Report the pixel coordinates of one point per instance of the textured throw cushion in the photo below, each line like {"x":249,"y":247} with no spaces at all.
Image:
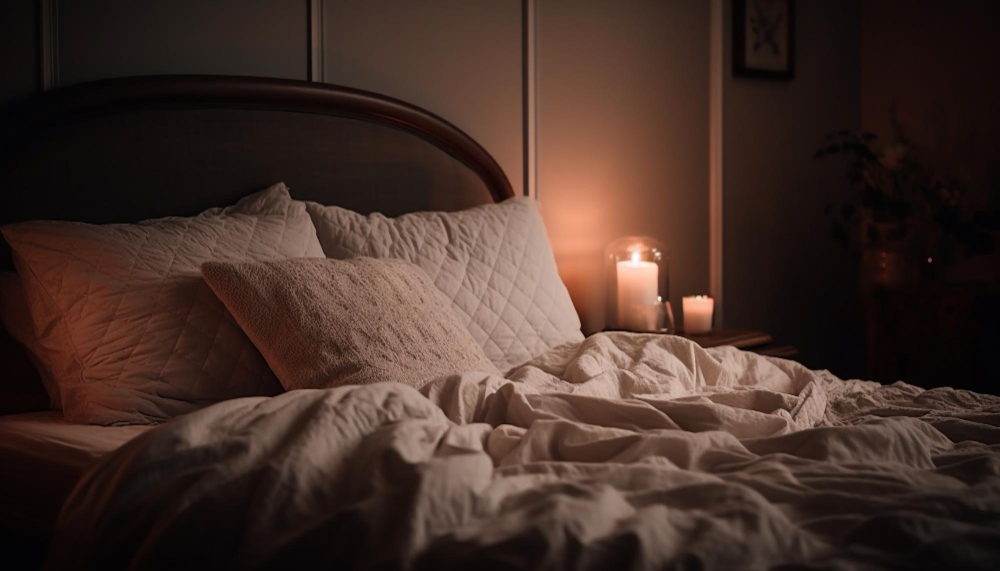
{"x":128,"y":327}
{"x":493,"y":262}
{"x":17,"y":323}
{"x":325,"y":323}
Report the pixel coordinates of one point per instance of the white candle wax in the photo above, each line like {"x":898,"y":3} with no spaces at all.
{"x":698,"y":313}
{"x":638,"y":285}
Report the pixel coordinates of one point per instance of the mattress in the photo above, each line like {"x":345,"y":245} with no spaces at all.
{"x":42,"y":455}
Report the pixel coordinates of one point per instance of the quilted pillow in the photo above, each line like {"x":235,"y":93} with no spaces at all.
{"x":493,"y":262}
{"x":17,"y":323}
{"x":326,"y":323}
{"x":130,"y":331}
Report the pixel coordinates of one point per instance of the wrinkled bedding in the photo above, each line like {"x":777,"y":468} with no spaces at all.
{"x":620,"y":452}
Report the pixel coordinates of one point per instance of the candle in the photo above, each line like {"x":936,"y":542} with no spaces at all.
{"x":698,"y":313}
{"x":638,"y":288}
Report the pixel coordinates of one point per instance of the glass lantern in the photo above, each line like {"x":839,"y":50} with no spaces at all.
{"x":638,"y":286}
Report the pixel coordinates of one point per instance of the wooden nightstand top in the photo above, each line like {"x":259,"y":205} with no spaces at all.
{"x":756,"y":341}
{"x":746,"y":339}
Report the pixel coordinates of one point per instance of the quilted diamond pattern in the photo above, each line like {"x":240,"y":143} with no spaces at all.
{"x":493,"y":262}
{"x":129,"y":328}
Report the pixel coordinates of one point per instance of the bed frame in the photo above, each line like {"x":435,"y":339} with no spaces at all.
{"x":122,"y":150}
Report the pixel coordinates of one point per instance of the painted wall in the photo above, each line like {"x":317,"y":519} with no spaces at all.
{"x":19,"y":57}
{"x":114,"y":38}
{"x":946,"y":92}
{"x":623,"y":137}
{"x":783,"y":272}
{"x":456,"y":58}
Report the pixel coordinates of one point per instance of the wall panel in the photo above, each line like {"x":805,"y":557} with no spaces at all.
{"x":460,"y":59}
{"x":19,"y":56}
{"x":114,"y":38}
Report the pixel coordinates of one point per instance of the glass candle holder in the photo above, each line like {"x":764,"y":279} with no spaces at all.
{"x":638,"y":286}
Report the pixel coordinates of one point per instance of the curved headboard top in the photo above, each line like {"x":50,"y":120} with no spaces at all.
{"x":122,"y":150}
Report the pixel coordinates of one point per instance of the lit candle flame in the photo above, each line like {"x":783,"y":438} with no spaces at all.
{"x":635,"y":257}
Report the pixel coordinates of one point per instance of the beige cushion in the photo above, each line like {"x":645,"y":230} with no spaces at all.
{"x":127,"y":326}
{"x":326,"y":323}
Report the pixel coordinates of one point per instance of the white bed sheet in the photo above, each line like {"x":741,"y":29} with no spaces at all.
{"x":42,"y":455}
{"x":621,"y":452}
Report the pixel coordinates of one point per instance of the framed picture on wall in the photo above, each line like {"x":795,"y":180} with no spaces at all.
{"x":764,"y":38}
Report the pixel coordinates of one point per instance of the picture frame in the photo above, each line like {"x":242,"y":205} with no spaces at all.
{"x":764,"y":39}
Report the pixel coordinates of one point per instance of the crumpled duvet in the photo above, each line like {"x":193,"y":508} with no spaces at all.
{"x":620,"y":452}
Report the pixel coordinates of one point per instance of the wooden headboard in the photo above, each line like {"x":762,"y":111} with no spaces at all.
{"x":122,"y":150}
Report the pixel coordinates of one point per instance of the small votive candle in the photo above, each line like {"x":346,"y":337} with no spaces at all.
{"x":698,"y":314}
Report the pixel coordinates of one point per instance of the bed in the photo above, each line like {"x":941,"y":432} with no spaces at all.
{"x":77,"y":154}
{"x":495,"y":437}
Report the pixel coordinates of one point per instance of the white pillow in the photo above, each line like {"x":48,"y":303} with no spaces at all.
{"x":493,"y":262}
{"x":130,"y":331}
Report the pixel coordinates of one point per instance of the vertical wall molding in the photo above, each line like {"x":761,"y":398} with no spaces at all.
{"x":49,"y":36}
{"x":715,"y":158}
{"x":317,"y":41}
{"x":529,"y":101}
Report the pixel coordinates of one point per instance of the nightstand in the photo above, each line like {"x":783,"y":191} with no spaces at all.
{"x":745,"y":339}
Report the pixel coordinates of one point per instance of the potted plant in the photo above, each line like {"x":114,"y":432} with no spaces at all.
{"x":906,"y":224}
